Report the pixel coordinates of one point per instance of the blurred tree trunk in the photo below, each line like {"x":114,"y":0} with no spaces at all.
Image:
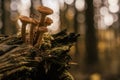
{"x":76,"y":29}
{"x":7,"y":23}
{"x":63,"y":20}
{"x":3,"y":20}
{"x":0,"y":15}
{"x":90,"y":36}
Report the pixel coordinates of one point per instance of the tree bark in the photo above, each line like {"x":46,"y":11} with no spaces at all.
{"x":90,"y":36}
{"x":3,"y":11}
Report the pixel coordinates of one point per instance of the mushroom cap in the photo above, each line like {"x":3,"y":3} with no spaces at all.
{"x":45,"y":10}
{"x":43,"y":29}
{"x":27,"y":19}
{"x":48,"y":21}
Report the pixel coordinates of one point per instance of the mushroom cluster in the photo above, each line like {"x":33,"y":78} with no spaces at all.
{"x":37,"y":28}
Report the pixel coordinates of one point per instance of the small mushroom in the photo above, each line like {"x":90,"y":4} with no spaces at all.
{"x":44,"y":11}
{"x":42,"y":30}
{"x":25,"y":20}
{"x":48,"y":21}
{"x":32,"y":30}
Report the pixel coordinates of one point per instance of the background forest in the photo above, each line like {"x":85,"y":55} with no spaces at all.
{"x":96,"y":54}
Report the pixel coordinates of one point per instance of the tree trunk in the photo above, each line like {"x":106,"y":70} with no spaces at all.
{"x":90,"y":36}
{"x":2,"y":17}
{"x":8,"y":27}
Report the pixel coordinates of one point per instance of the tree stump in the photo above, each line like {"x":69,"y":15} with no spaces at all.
{"x":22,"y":61}
{"x":42,"y":56}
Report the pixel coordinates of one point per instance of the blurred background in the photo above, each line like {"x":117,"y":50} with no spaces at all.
{"x":96,"y":54}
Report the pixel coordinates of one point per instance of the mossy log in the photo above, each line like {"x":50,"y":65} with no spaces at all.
{"x":22,"y":61}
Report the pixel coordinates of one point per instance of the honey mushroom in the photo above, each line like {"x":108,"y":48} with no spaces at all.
{"x":44,"y":12}
{"x":26,"y":20}
{"x":48,"y":21}
{"x":42,"y":30}
{"x":33,"y":25}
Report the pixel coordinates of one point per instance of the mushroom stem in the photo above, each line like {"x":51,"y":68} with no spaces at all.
{"x":39,"y":40}
{"x":31,"y":33}
{"x":38,"y":32}
{"x":23,"y":32}
{"x":36,"y":35}
{"x":42,"y":19}
{"x":42,"y":30}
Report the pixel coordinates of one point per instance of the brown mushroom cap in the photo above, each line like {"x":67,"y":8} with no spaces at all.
{"x":48,"y":21}
{"x":27,"y":19}
{"x":45,"y":10}
{"x":43,"y":29}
